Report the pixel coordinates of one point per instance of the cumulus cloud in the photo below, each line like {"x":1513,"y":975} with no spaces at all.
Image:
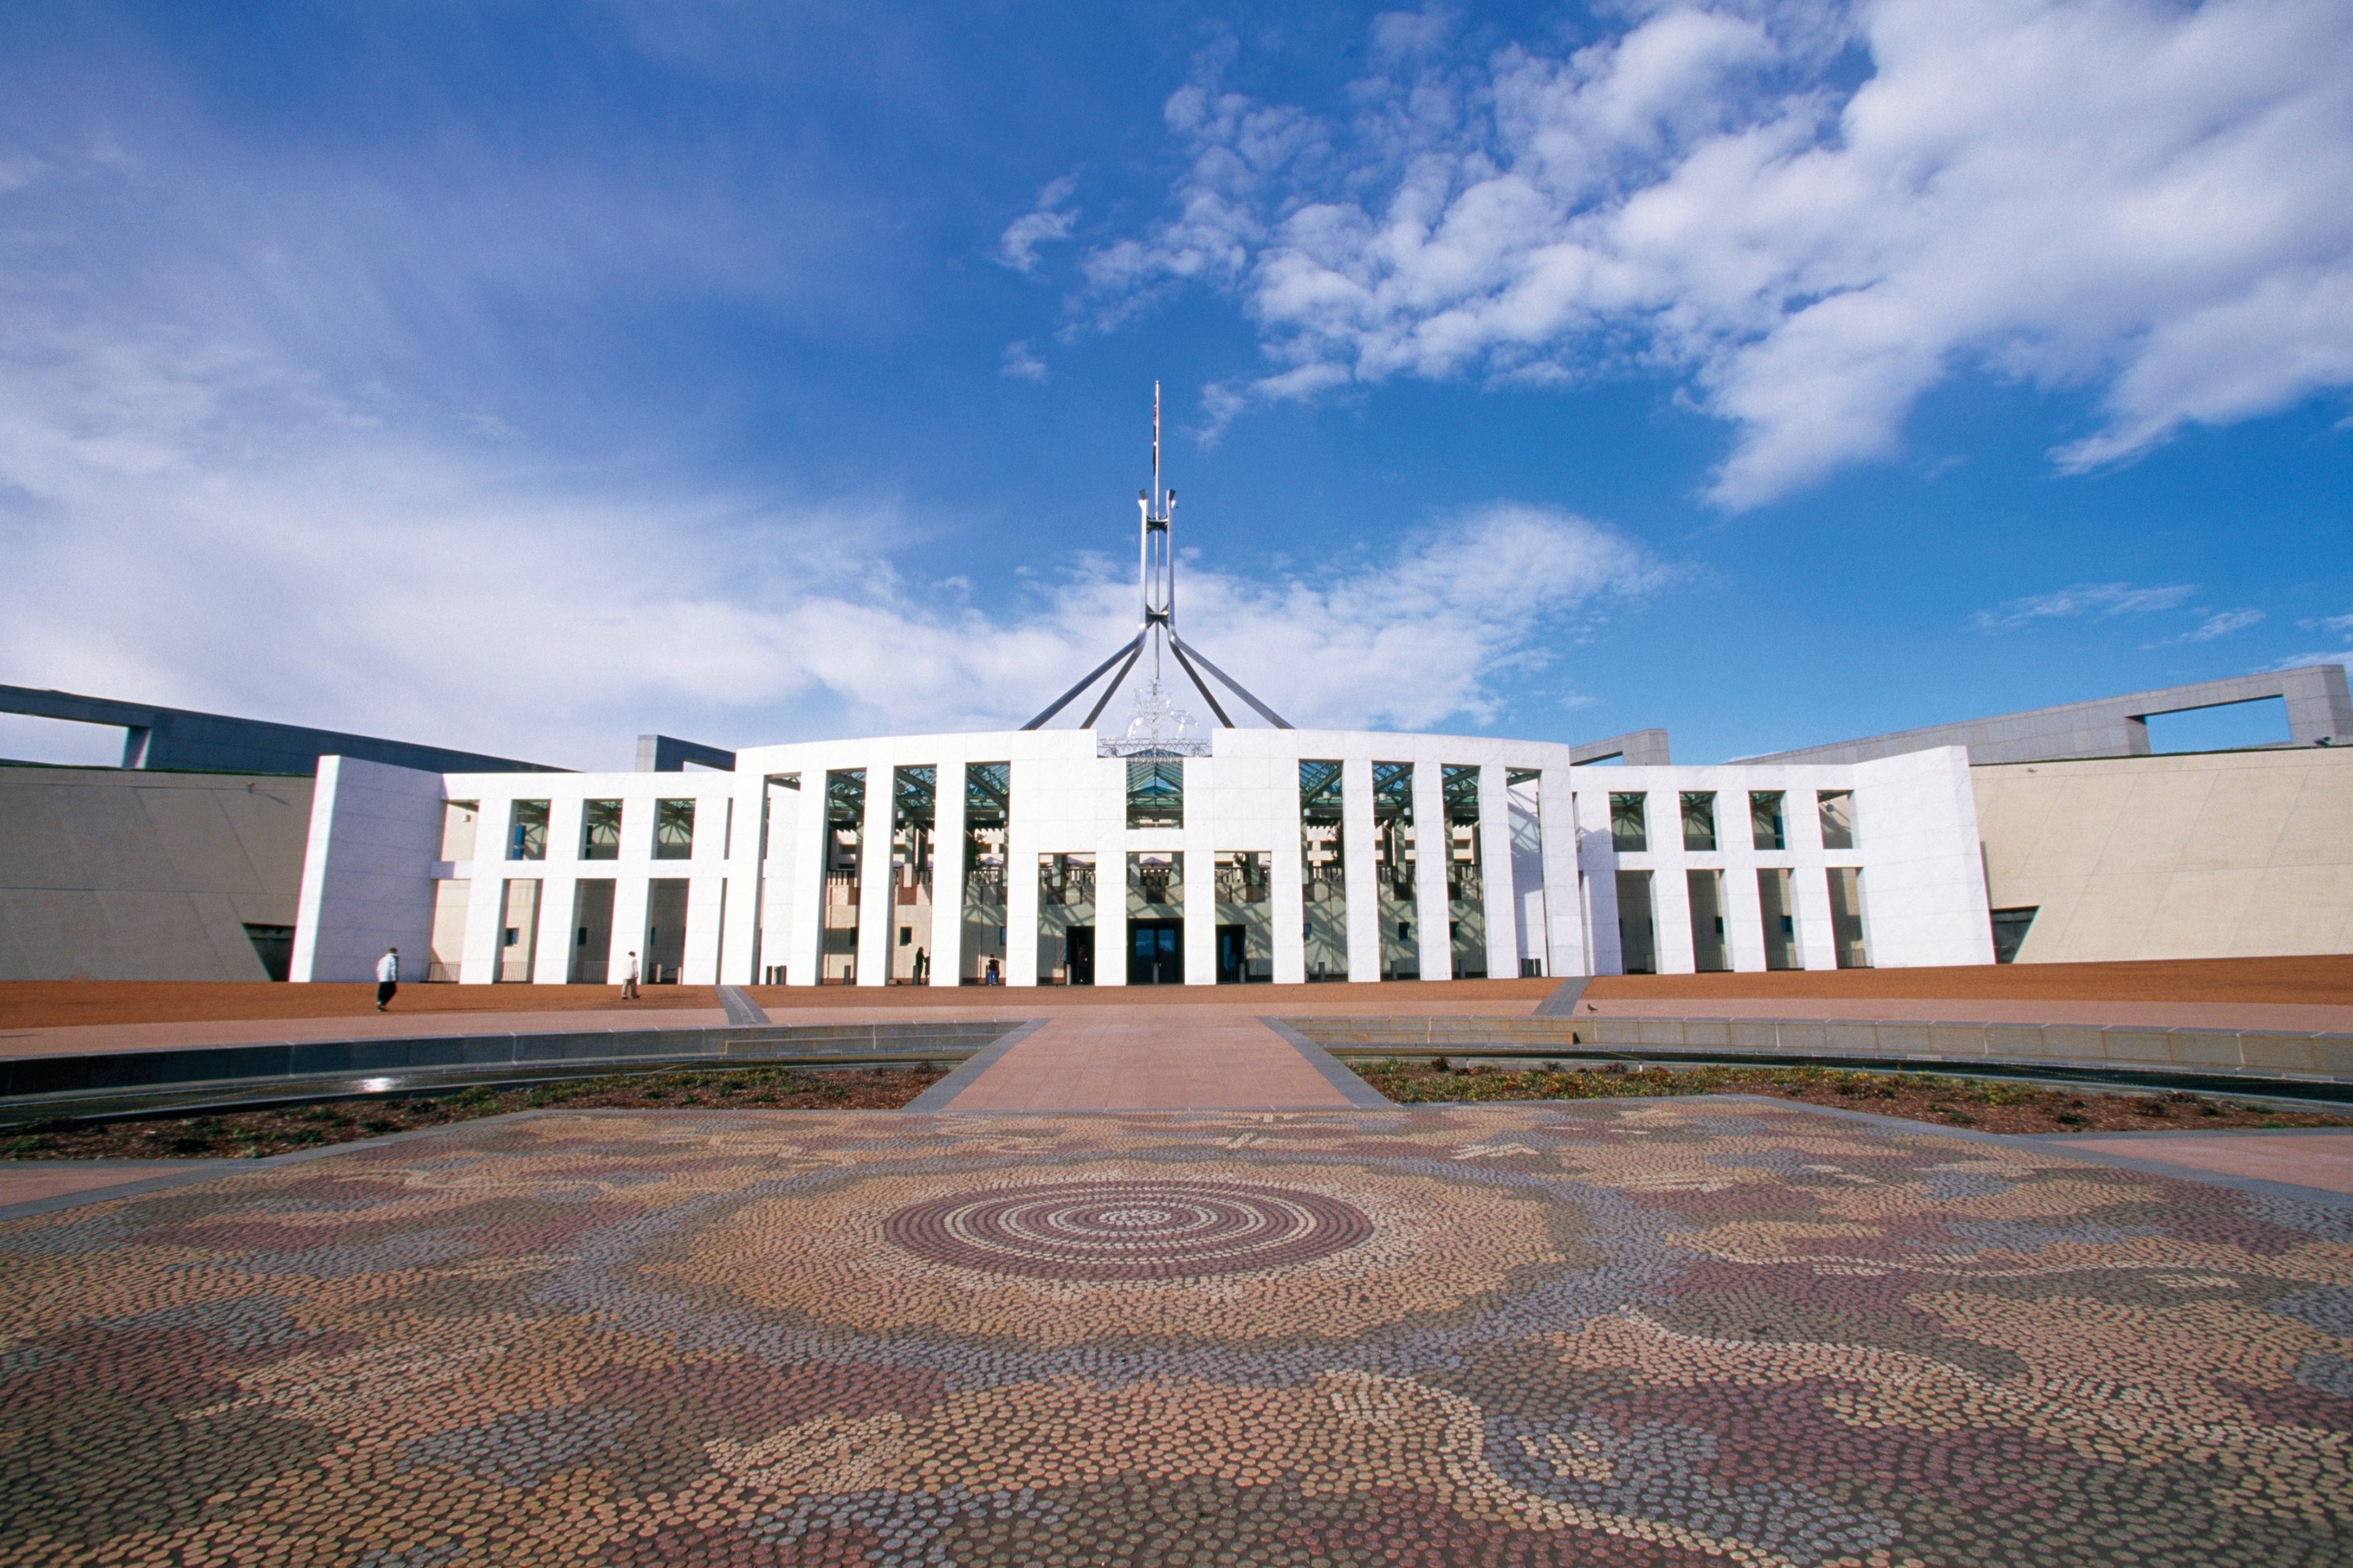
{"x":2084,"y":599}
{"x":2149,"y":200}
{"x":1021,"y":362}
{"x":1045,"y":223}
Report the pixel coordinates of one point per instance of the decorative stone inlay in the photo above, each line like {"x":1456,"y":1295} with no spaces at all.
{"x":1152,"y":1229}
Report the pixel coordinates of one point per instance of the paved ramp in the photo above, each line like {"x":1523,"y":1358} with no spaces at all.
{"x":1151,"y":1059}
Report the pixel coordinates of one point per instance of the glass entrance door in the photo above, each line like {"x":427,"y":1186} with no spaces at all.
{"x":1156,"y":953}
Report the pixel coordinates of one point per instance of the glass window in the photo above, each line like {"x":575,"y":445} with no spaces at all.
{"x":1699,"y":819}
{"x":1629,"y":830}
{"x":673,"y":830}
{"x":527,"y":831}
{"x":1466,"y":887}
{"x":1322,"y":878}
{"x":1838,"y":818}
{"x":988,"y":816}
{"x":1765,"y":829}
{"x":600,"y":830}
{"x":2010,"y":928}
{"x":1394,"y":858}
{"x":1155,"y":792}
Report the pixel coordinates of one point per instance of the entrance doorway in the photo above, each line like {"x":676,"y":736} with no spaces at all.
{"x":1233,"y":954}
{"x":1080,"y":953}
{"x":1156,"y":953}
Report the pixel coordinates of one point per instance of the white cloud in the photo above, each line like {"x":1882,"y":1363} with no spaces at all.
{"x":2150,"y":200}
{"x":2223,"y":624}
{"x":2329,"y":624}
{"x":2305,"y":660}
{"x":2082,"y":599}
{"x":1021,"y":362}
{"x":1045,"y":223}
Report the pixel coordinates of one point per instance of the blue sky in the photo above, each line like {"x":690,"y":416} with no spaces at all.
{"x":524,"y":376}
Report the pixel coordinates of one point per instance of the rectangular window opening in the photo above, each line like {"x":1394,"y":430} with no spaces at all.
{"x":1322,"y":878}
{"x":1155,"y":792}
{"x":1638,"y":944}
{"x":519,"y":932}
{"x":1837,"y":806}
{"x":1699,"y":819}
{"x":600,"y":830}
{"x":1066,"y":920}
{"x":1778,"y":913}
{"x":1710,"y":952}
{"x":1394,"y":869}
{"x":1466,"y":883}
{"x":1629,"y":831}
{"x":666,"y":910}
{"x":844,"y":856}
{"x":914,"y":809}
{"x":592,"y":932}
{"x":1245,"y":888}
{"x":988,"y":820}
{"x":527,"y":830}
{"x":1766,"y":827}
{"x":673,"y":830}
{"x":1846,"y":917}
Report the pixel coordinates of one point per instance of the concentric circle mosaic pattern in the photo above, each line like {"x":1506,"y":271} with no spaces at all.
{"x":1680,"y":1332}
{"x":1156,"y":1229}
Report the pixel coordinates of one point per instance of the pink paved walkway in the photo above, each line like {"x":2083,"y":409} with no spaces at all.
{"x":27,"y":1181}
{"x":1150,"y":1058}
{"x":2315,"y":1159}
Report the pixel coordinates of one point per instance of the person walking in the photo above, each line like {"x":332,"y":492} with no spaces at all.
{"x":388,"y":976}
{"x":629,"y":979}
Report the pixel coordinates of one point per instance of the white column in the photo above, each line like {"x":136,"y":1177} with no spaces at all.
{"x":1495,"y":858}
{"x":1356,"y":856}
{"x":1286,"y":888}
{"x":1556,"y":807}
{"x":1671,"y":902}
{"x":808,"y":892}
{"x":1433,"y":853}
{"x":947,"y":877}
{"x":877,"y":909}
{"x":1744,"y":913}
{"x":551,"y":963}
{"x":707,"y":892}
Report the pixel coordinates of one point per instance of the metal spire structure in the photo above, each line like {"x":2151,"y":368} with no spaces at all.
{"x":1156,"y":630}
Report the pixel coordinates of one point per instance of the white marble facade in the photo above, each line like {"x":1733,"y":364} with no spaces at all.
{"x":755,"y":884}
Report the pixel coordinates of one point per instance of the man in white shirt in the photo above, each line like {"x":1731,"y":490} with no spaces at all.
{"x":388,"y":976}
{"x":629,"y":979}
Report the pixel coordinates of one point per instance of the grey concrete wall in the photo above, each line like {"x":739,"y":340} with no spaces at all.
{"x":2318,"y":709}
{"x":114,"y":875}
{"x":176,"y":738}
{"x":368,"y":871}
{"x":2209,"y":855}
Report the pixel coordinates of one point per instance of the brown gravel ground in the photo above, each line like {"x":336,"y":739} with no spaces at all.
{"x":1990,"y":1105}
{"x":251,"y":1134}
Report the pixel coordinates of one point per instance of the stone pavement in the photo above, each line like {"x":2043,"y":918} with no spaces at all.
{"x":1674,"y":1332}
{"x":1148,"y":1058}
{"x":2320,"y":1158}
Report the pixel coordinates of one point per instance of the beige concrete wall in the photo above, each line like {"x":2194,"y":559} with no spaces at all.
{"x":136,"y":875}
{"x":2210,"y":855}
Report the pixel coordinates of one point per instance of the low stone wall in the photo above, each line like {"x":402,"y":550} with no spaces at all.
{"x":2266,"y":1053}
{"x":453,"y":1056}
